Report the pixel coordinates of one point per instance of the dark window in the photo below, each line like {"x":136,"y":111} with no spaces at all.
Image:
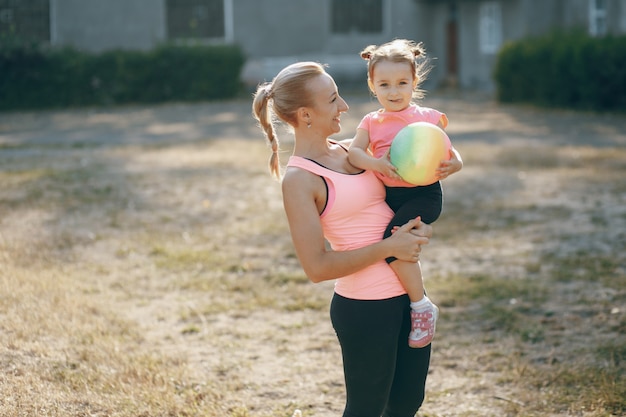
{"x":357,"y":16}
{"x":195,"y":19}
{"x":25,"y":19}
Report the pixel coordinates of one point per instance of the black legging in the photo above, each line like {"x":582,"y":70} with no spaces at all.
{"x":408,"y":203}
{"x":383,"y":375}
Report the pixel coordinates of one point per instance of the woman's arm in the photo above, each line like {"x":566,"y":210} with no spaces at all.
{"x":302,"y":191}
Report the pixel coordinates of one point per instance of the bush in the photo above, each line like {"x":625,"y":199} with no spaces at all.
{"x":36,"y":77}
{"x":564,"y":69}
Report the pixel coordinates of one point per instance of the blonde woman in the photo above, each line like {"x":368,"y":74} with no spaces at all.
{"x":327,"y":199}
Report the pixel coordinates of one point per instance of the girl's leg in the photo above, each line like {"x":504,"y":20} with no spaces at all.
{"x":407,"y":204}
{"x":410,"y":275}
{"x":369,"y":332}
{"x":424,"y":313}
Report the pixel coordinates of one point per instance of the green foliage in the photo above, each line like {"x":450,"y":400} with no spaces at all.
{"x":35,"y":77}
{"x":564,"y":69}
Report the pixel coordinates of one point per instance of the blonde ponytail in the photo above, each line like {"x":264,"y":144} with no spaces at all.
{"x":283,"y":97}
{"x":261,"y":112}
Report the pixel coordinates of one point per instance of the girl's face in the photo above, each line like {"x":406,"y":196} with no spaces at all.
{"x":325,"y":115}
{"x":393,"y":84}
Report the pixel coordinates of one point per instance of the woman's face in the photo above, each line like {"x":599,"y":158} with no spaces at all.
{"x":393,"y":84}
{"x":328,"y":105}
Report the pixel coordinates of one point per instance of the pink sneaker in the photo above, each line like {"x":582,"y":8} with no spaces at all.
{"x":423,"y":326}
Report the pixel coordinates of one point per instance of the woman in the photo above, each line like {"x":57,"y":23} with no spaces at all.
{"x":328,"y":199}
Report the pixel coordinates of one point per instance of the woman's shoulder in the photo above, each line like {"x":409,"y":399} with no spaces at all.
{"x":297,"y":167}
{"x":297,"y":176}
{"x":342,"y":143}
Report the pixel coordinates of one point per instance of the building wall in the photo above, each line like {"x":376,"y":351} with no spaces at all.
{"x":96,"y":25}
{"x":279,"y":27}
{"x":285,"y":27}
{"x":274,"y":33}
{"x":432,"y":22}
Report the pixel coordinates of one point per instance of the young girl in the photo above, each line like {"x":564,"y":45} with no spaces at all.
{"x":394,"y":77}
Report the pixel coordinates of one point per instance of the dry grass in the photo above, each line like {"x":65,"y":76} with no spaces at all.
{"x":146,"y":268}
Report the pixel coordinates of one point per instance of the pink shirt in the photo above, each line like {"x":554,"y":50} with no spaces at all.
{"x":356,"y":215}
{"x":382,"y":127}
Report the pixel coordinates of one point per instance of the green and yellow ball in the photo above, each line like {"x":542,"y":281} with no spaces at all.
{"x":417,"y":151}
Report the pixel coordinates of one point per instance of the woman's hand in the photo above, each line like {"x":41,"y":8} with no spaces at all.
{"x":422,"y":229}
{"x":408,"y":240}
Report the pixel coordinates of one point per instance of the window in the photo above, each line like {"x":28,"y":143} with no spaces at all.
{"x":490,"y":27}
{"x":356,"y":16}
{"x":28,"y":20}
{"x":196,"y":19}
{"x":597,"y":17}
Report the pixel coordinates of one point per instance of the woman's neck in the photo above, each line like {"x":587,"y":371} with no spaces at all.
{"x":326,"y":153}
{"x":311,"y":147}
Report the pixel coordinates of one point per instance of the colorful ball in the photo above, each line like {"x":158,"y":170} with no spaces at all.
{"x":417,"y":151}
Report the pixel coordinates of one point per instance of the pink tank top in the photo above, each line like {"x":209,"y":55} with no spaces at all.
{"x":355,"y":215}
{"x":383,"y":126}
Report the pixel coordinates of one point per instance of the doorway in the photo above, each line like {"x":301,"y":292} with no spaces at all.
{"x":452,"y":60}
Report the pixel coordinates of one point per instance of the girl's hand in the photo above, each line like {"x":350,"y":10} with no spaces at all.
{"x":385,"y":167}
{"x":449,"y":167}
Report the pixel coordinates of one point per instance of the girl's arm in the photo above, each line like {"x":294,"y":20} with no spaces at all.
{"x":302,"y":191}
{"x":452,"y":165}
{"x":359,"y":156}
{"x":455,"y":163}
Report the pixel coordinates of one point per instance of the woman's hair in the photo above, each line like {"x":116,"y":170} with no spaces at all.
{"x":399,"y":50}
{"x":287,"y":92}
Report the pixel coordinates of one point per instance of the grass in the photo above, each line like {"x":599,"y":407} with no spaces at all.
{"x":550,"y":313}
{"x":145,"y":280}
{"x":67,"y":354}
{"x":591,"y":376}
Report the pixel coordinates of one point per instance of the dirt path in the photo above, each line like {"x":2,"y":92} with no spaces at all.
{"x":473,"y":118}
{"x":170,"y":169}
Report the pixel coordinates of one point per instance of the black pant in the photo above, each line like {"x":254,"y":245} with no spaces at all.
{"x":408,"y":203}
{"x":383,"y":375}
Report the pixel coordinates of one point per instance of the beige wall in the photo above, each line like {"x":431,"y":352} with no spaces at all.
{"x":273,"y":33}
{"x":98,"y":25}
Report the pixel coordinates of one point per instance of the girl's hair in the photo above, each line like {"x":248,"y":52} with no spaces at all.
{"x":399,"y":50}
{"x":287,"y":92}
